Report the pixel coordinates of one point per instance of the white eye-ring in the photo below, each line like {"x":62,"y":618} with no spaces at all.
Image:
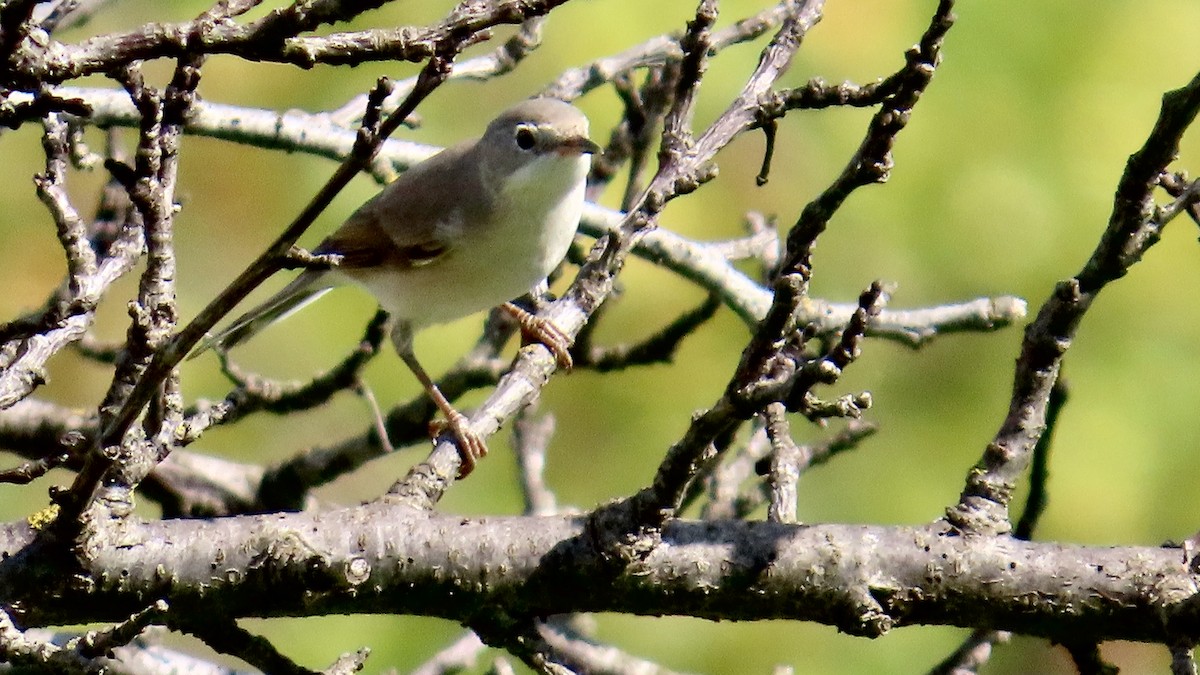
{"x":525,"y":138}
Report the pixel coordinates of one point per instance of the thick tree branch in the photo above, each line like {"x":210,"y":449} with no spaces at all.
{"x":863,"y":579}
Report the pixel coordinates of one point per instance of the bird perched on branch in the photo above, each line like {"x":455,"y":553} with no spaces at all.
{"x":472,"y":227}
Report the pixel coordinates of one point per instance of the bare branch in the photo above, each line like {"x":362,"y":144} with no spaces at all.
{"x":972,"y":655}
{"x":254,"y":393}
{"x":275,"y":37}
{"x":462,"y":654}
{"x":1088,"y":660}
{"x":19,"y":649}
{"x":100,"y":643}
{"x":863,"y":579}
{"x":658,"y":348}
{"x":531,"y":439}
{"x":226,"y":637}
{"x":786,"y":461}
{"x":1183,"y":662}
{"x":1132,"y":229}
{"x":501,"y":61}
{"x":588,"y":656}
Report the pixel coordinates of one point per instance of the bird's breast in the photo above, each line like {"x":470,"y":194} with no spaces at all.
{"x":498,"y":256}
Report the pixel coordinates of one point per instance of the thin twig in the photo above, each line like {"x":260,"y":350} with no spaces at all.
{"x":254,"y":393}
{"x":531,"y":439}
{"x":658,"y":348}
{"x":786,"y":460}
{"x":225,"y":636}
{"x":1039,"y":470}
{"x":972,"y":654}
{"x":1133,"y":227}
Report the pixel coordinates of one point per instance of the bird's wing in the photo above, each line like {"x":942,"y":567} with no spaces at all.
{"x":363,"y":243}
{"x":414,"y":220}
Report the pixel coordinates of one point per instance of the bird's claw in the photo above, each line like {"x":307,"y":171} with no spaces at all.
{"x":471,"y":446}
{"x":536,"y":329}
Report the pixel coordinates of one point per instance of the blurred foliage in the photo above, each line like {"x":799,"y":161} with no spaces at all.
{"x":1003,"y":184}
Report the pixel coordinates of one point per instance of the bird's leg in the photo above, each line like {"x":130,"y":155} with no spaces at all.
{"x":471,"y":446}
{"x":536,"y":328}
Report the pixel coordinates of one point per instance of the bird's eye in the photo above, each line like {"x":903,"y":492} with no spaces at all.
{"x":525,"y":138}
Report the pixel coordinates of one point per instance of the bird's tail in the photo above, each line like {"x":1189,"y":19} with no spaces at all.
{"x":302,"y":290}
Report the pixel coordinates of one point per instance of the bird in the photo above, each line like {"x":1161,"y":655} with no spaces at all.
{"x":472,"y":227}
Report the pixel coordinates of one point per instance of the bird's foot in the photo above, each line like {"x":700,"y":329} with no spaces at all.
{"x":536,"y":329}
{"x":471,"y":446}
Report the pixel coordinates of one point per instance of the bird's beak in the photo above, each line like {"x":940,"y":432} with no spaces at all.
{"x":578,"y":145}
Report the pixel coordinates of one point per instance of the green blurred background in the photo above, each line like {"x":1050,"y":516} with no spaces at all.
{"x":1003,"y":184}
